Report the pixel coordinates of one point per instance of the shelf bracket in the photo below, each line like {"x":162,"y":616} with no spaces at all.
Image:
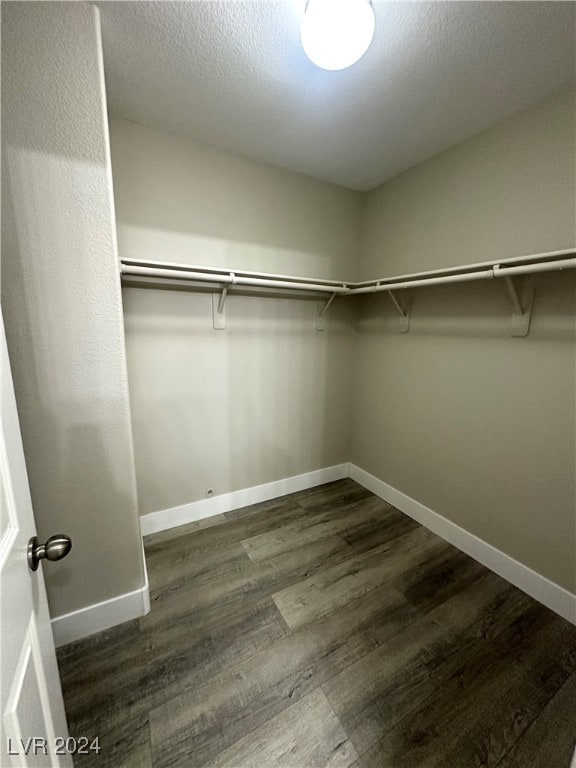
{"x":219,"y":309}
{"x":514,"y":298}
{"x":222,"y":300}
{"x":321,"y":311}
{"x":521,"y":307}
{"x":404,"y":314}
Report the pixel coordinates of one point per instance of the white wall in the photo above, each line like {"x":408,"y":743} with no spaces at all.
{"x":473,"y":423}
{"x":61,"y":300}
{"x":269,"y":397}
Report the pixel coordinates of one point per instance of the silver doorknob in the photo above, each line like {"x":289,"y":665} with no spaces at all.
{"x":55,"y":548}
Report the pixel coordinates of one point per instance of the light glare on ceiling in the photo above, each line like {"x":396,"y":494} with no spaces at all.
{"x":336,"y":33}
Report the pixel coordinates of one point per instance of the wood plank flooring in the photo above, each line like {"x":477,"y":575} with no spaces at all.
{"x":324,"y":628}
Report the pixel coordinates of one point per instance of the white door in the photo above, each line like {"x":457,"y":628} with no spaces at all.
{"x":33,"y":727}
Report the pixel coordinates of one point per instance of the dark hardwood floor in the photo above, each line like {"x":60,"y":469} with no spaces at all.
{"x":324,"y":628}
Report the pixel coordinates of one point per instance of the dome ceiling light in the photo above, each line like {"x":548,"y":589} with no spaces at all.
{"x":336,"y":33}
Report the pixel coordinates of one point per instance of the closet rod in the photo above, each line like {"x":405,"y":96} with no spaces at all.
{"x":386,"y":286}
{"x":516,"y":261}
{"x":233,"y":278}
{"x":526,"y":269}
{"x":218,"y":272}
{"x":485,"y":274}
{"x":523,"y":265}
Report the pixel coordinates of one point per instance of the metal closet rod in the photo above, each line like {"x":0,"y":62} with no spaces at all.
{"x":542,"y":262}
{"x":142,"y":268}
{"x":229,"y":277}
{"x":516,"y":260}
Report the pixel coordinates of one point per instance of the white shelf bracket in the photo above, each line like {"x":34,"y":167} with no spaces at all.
{"x":222,"y":299}
{"x":514,"y":298}
{"x":219,"y":309}
{"x":521,"y":307}
{"x":321,"y":312}
{"x":404,"y":314}
{"x":219,"y":306}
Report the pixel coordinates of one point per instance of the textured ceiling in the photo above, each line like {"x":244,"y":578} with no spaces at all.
{"x":233,"y":74}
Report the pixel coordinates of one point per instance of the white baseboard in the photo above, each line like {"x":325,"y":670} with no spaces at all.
{"x":534,"y":584}
{"x":197,"y":510}
{"x":99,"y":616}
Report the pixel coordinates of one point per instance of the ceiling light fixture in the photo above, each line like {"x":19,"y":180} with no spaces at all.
{"x":336,"y":33}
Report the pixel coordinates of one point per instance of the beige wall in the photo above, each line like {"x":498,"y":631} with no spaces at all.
{"x":177,"y":200}
{"x":508,"y":191}
{"x":61,"y":300}
{"x":268,"y":397}
{"x":475,"y":424}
